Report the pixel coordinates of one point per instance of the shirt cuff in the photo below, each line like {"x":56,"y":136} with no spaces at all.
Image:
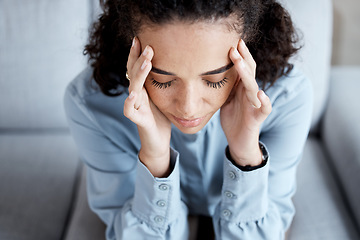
{"x":244,"y":193}
{"x":157,"y":200}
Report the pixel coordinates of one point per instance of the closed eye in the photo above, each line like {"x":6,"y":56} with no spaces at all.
{"x":161,"y":85}
{"x":217,"y":85}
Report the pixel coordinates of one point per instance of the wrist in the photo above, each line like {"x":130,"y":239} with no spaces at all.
{"x":246,"y":153}
{"x":249,"y":165}
{"x":244,"y":146}
{"x":158,"y":164}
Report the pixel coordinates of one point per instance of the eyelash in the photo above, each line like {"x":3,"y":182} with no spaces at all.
{"x":160,"y":85}
{"x":216,"y":85}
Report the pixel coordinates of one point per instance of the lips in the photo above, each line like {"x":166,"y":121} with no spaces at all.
{"x":189,"y":123}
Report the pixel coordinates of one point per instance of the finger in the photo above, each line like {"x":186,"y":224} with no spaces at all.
{"x":134,"y":53}
{"x":139,"y":74}
{"x":246,"y":77}
{"x":140,"y":70}
{"x":129,"y":106}
{"x":245,"y":53}
{"x":266,"y":107}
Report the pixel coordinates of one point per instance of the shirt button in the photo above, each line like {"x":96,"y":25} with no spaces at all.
{"x":161,"y":203}
{"x":229,"y":194}
{"x":232,"y":175}
{"x":226,"y":213}
{"x":158,"y":219}
{"x":164,"y":187}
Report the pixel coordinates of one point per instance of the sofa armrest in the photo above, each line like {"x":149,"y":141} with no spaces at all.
{"x":341,"y":132}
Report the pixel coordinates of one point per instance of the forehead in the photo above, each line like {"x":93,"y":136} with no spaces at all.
{"x":189,"y":48}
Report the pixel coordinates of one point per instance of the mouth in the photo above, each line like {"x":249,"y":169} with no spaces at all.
{"x":189,"y":123}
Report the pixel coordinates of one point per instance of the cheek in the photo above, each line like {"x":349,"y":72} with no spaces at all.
{"x":218,"y":97}
{"x":234,"y":76}
{"x":227,"y":92}
{"x":158,"y":96}
{"x":229,"y":89}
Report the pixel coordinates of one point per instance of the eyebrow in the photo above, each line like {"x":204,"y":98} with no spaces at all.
{"x":212,"y":72}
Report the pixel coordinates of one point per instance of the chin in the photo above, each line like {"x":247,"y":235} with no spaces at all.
{"x":189,"y":130}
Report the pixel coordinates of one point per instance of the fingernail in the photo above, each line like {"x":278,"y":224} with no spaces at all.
{"x":257,"y":104}
{"x":257,"y":107}
{"x":145,"y":52}
{"x":144,"y":64}
{"x":242,"y":43}
{"x":133,"y":42}
{"x":262,"y":94}
{"x":236,"y":53}
{"x":131,"y":95}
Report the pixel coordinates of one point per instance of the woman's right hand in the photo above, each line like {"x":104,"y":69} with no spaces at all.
{"x":154,"y":128}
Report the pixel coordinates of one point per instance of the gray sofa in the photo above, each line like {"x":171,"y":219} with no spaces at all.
{"x":42,"y":181}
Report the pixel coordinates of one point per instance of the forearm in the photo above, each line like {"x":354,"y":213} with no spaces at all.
{"x":247,"y":210}
{"x":245,"y":150}
{"x":155,"y":154}
{"x":157,"y":201}
{"x":138,"y":205}
{"x":159,"y":166}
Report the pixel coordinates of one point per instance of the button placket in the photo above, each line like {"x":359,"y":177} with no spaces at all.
{"x":229,"y":194}
{"x":161,"y":203}
{"x":232,"y":175}
{"x":164,"y":187}
{"x":158,"y":219}
{"x":226,"y":213}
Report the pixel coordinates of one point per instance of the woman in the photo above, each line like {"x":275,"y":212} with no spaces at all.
{"x":170,"y":120}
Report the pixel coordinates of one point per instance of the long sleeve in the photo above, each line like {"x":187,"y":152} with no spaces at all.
{"x":121,"y":191}
{"x":156,"y":210}
{"x":257,"y":204}
{"x":244,"y":205}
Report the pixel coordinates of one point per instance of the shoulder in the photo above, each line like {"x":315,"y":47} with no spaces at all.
{"x":291,"y":97}
{"x":84,"y":101}
{"x":84,"y":90}
{"x":294,"y":85}
{"x":84,"y":85}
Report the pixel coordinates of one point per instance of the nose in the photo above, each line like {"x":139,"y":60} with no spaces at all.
{"x":188,"y":102}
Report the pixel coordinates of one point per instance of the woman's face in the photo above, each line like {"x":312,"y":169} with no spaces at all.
{"x":192,"y":74}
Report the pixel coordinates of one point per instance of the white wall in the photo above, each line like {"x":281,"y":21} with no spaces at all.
{"x":346,"y":38}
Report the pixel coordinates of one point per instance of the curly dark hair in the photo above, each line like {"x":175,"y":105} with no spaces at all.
{"x":264,"y":25}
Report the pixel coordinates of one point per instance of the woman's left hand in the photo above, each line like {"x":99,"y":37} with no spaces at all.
{"x":245,"y":110}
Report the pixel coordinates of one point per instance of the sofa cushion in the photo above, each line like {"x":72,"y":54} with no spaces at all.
{"x":84,"y":224}
{"x":314,"y":20}
{"x":341,"y":132}
{"x":37,"y":175}
{"x":41,"y":44}
{"x":320,"y":210}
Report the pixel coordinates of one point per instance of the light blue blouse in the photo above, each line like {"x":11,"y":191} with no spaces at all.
{"x":135,"y":205}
